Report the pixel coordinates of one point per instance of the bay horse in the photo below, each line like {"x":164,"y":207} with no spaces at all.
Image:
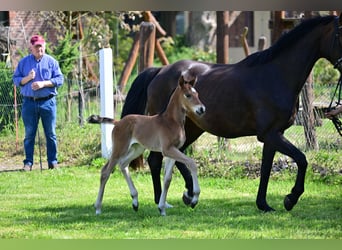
{"x":162,"y":132}
{"x":256,"y":96}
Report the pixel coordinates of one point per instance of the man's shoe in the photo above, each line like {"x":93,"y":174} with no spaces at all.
{"x":53,"y":166}
{"x":27,"y":167}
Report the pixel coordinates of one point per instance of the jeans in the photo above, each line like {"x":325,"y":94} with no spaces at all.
{"x":32,"y":112}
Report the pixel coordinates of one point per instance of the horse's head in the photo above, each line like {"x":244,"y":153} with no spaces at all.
{"x":190,"y":100}
{"x":334,"y":46}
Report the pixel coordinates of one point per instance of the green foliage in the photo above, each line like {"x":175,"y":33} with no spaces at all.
{"x":324,"y":73}
{"x":178,"y":49}
{"x":66,"y":52}
{"x":6,"y":98}
{"x":98,"y":163}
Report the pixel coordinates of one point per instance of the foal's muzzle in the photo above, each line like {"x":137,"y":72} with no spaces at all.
{"x":200,"y":110}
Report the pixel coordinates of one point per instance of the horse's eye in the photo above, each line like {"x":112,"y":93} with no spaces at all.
{"x":187,"y":96}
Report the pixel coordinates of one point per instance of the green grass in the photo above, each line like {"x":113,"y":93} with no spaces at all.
{"x":58,"y":205}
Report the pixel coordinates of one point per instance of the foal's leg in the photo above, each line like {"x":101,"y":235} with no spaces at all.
{"x":134,"y":151}
{"x":177,"y":155}
{"x":155,"y":160}
{"x":155,"y":163}
{"x":105,"y":173}
{"x":169,"y":163}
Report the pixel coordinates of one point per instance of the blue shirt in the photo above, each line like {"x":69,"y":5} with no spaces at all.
{"x":47,"y":68}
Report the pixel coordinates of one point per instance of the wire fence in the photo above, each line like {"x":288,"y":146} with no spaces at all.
{"x":70,"y":111}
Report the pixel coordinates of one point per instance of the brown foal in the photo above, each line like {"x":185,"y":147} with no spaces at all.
{"x":163,"y":133}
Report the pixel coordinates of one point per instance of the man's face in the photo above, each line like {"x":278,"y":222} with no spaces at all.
{"x":38,"y":50}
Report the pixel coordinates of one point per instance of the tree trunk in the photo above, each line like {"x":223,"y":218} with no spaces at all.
{"x":308,"y":111}
{"x":222,"y":42}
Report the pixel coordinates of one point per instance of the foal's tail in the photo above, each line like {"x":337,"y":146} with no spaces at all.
{"x":99,"y":119}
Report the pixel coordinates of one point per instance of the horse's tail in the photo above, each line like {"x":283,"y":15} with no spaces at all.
{"x":135,"y":102}
{"x":136,"y":99}
{"x":99,"y":119}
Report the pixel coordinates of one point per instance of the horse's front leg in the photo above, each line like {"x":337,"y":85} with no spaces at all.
{"x":169,"y":163}
{"x":277,"y":142}
{"x":266,"y":165}
{"x":290,"y":150}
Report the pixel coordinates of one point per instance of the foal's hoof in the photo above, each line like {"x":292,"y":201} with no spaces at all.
{"x":186,"y":199}
{"x":288,"y":203}
{"x":135,"y":207}
{"x":162,"y":211}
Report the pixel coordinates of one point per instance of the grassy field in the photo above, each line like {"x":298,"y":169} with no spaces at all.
{"x":57,"y":204}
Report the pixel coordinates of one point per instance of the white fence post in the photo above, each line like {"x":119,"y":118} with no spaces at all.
{"x":107,"y":101}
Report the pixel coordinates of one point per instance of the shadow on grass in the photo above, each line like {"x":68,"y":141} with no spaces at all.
{"x":234,"y":215}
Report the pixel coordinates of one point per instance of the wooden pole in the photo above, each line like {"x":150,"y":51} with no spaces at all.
{"x":148,"y":17}
{"x":147,"y":45}
{"x":222,"y":41}
{"x":161,"y":53}
{"x":244,"y":41}
{"x":133,"y":54}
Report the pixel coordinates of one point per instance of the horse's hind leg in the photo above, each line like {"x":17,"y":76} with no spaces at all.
{"x":290,"y":150}
{"x":169,"y":163}
{"x":105,"y":173}
{"x":155,"y":160}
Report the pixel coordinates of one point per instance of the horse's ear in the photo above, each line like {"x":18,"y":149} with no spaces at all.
{"x":193,"y":81}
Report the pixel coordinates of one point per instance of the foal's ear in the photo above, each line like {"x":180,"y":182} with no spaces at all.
{"x":181,"y":81}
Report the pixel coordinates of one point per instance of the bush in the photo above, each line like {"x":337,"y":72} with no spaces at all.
{"x":7,"y":112}
{"x":324,"y":73}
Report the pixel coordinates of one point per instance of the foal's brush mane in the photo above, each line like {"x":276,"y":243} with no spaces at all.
{"x":286,"y":41}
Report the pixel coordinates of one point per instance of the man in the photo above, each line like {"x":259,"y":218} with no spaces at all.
{"x":38,"y":75}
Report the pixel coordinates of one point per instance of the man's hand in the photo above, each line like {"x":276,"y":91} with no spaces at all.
{"x":32,"y":74}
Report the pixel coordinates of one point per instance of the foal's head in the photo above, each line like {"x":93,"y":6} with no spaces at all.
{"x":189,"y":98}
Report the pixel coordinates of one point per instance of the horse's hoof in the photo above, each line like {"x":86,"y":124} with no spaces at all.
{"x":269,"y":210}
{"x":193,"y":204}
{"x":265,"y":208}
{"x":186,"y":199}
{"x":135,"y":207}
{"x":288,"y":204}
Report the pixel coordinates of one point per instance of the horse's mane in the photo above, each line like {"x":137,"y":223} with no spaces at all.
{"x":286,"y":41}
